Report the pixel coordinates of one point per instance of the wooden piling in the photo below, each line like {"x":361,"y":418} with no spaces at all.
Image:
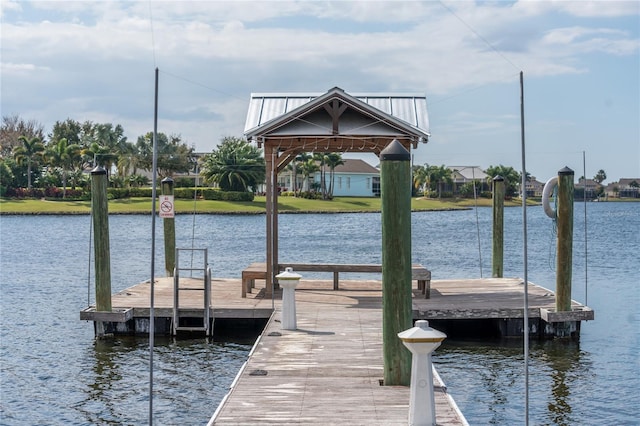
{"x":395,"y":185}
{"x":564,"y":255}
{"x":169,"y":231}
{"x":497,"y":262}
{"x":100,"y":215}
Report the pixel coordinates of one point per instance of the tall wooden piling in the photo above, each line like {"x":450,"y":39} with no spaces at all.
{"x":497,"y":262}
{"x":395,"y":185}
{"x":564,"y":255}
{"x":100,"y":214}
{"x":169,"y":223}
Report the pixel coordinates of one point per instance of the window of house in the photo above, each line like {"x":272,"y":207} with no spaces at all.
{"x":340,"y":182}
{"x":348,"y":183}
{"x":368,"y":183}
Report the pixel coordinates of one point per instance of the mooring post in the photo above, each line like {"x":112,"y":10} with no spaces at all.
{"x":100,"y":215}
{"x":288,"y":280}
{"x":169,"y":223}
{"x":421,"y":340}
{"x":395,"y":186}
{"x":564,"y":255}
{"x":497,"y":263}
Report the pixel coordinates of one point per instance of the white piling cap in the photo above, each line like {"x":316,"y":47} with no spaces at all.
{"x":288,"y":274}
{"x":422,"y":333}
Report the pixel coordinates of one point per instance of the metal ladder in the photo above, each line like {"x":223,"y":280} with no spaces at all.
{"x":205,"y":271}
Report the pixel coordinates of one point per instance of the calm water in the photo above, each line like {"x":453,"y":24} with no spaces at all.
{"x":53,"y":372}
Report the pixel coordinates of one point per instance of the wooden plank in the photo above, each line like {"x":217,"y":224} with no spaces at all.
{"x":328,"y":371}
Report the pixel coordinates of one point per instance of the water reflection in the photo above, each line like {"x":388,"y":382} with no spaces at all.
{"x":492,"y":374}
{"x":190,"y":378}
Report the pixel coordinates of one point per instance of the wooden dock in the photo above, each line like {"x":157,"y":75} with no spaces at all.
{"x":329,"y":370}
{"x":489,"y":306}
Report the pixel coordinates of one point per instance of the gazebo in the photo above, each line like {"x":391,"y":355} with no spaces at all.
{"x":287,"y":124}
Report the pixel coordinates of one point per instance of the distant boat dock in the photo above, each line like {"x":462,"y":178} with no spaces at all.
{"x":329,"y":369}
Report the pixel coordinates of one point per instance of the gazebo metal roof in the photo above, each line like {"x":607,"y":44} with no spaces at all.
{"x":289,"y":114}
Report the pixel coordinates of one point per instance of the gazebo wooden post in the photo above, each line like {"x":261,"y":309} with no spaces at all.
{"x":268,"y":157}
{"x":274,"y":220}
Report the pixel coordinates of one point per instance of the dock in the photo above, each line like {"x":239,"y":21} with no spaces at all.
{"x":485,"y":307}
{"x":329,"y":370}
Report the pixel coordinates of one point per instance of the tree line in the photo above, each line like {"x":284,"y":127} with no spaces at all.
{"x":59,"y":162}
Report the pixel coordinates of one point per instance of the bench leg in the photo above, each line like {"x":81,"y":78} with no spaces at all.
{"x":335,"y":280}
{"x":245,"y":284}
{"x":427,"y":289}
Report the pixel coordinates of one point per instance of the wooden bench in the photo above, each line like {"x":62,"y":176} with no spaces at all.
{"x":257,"y":271}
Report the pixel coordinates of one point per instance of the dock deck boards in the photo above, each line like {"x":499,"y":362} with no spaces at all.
{"x":450,"y":299}
{"x":328,"y":370}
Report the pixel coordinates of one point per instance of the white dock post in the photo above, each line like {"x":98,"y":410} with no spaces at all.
{"x":421,"y":340}
{"x":288,"y":280}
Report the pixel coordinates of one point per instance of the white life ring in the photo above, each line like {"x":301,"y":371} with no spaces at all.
{"x":546,"y":195}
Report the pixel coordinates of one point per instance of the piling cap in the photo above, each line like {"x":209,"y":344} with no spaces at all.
{"x":288,"y":274}
{"x":422,"y":333}
{"x":99,"y":170}
{"x":168,"y":179}
{"x":395,"y":152}
{"x":565,"y":171}
{"x":498,"y":178}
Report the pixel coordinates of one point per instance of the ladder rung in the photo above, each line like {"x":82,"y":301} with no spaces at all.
{"x":191,"y":328}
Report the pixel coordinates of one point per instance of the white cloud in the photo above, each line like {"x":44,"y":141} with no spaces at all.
{"x":11,"y":68}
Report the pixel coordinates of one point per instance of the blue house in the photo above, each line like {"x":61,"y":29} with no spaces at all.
{"x":355,"y":178}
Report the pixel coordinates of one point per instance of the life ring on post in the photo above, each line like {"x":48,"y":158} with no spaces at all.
{"x":547,"y":191}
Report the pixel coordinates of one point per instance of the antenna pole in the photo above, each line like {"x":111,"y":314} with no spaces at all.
{"x":153,"y":248}
{"x":524,"y":249}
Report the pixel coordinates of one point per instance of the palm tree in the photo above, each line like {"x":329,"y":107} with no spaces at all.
{"x":30,"y":152}
{"x":296,"y":165}
{"x":436,"y":176}
{"x":419,"y":178}
{"x":63,"y":155}
{"x":307,"y":168}
{"x":235,"y":166}
{"x":320,"y":158}
{"x":510,"y":175}
{"x":333,"y":160}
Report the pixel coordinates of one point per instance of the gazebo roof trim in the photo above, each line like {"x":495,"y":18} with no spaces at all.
{"x":268,"y":111}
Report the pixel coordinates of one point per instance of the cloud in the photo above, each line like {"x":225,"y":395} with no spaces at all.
{"x":9,"y":68}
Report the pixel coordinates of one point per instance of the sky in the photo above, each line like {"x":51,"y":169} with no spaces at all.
{"x":95,"y":60}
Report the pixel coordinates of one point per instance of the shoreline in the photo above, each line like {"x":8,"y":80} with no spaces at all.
{"x":228,"y":213}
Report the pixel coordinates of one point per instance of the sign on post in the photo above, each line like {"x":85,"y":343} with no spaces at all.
{"x":167,"y":210}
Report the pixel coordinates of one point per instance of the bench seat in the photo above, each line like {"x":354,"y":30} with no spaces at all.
{"x":258,"y":270}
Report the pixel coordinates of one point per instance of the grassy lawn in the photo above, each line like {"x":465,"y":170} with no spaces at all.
{"x":285,"y":204}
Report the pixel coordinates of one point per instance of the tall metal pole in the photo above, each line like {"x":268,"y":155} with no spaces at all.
{"x":523,"y":188}
{"x":397,"y":315}
{"x":565,"y":240}
{"x":153,"y":248}
{"x":497,"y":262}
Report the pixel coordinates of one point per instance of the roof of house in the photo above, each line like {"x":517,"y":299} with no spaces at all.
{"x":355,"y":165}
{"x":469,"y":172}
{"x":304,"y":113}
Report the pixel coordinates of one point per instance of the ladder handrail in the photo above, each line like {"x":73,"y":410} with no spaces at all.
{"x":206,"y":290}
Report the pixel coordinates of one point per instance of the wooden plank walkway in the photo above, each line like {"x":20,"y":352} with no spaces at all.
{"x":328,"y":371}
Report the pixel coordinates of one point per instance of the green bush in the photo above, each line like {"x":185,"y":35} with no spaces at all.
{"x":217,"y":195}
{"x":140,"y":192}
